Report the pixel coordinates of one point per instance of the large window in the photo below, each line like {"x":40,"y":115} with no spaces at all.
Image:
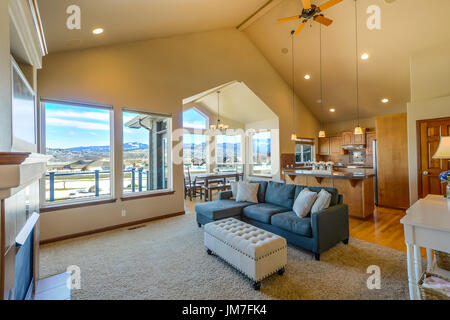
{"x":78,"y":137}
{"x":261,"y":154}
{"x":228,"y":152}
{"x":145,"y":152}
{"x":195,"y":141}
{"x":194,"y":152}
{"x":303,"y":153}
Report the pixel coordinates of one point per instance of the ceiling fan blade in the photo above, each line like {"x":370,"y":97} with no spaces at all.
{"x":323,"y":20}
{"x":329,"y":4}
{"x":299,"y":28}
{"x":288,"y":19}
{"x":306,"y":4}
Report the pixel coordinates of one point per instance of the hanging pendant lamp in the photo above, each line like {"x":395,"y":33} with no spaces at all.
{"x":294,"y":135}
{"x":358,"y":129}
{"x":218,"y":126}
{"x":322,"y":133}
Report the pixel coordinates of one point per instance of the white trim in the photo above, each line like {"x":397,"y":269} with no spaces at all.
{"x":18,"y":12}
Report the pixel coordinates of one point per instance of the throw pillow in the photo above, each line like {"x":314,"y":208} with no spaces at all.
{"x":323,"y":201}
{"x":247,"y":192}
{"x":234,"y":188}
{"x":304,"y":202}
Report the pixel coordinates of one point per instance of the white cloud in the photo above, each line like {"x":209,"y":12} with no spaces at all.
{"x":77,"y":124}
{"x":194,"y":124}
{"x":78,"y":115}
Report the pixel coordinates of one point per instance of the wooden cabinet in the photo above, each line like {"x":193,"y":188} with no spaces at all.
{"x":347,"y":138}
{"x":324,"y":146}
{"x":371,"y":136}
{"x":359,"y":138}
{"x":336,"y":145}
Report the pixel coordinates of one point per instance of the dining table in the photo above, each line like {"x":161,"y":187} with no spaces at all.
{"x":216,"y":181}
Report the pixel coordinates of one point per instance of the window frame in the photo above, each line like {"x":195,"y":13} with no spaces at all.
{"x":42,"y":146}
{"x":303,"y":143}
{"x":149,"y":193}
{"x":252,"y":173}
{"x":242,"y":141}
{"x":201,"y":113}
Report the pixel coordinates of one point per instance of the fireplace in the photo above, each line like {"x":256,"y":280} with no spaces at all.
{"x":19,"y":223}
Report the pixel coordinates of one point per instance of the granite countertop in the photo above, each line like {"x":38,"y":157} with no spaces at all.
{"x":332,"y":175}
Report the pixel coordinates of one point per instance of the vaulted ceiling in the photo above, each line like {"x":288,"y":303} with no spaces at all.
{"x":407,"y":26}
{"x":132,"y":20}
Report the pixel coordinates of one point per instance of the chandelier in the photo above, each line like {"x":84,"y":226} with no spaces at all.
{"x":219,"y":125}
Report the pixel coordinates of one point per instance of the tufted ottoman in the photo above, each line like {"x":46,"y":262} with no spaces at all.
{"x":255,"y":252}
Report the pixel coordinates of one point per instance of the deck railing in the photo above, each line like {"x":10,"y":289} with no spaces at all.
{"x":140,"y":177}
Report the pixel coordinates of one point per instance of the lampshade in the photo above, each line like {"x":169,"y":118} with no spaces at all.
{"x":322,"y":134}
{"x":443,"y":151}
{"x":359,"y":130}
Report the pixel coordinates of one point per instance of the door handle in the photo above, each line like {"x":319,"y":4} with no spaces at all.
{"x":425,"y":173}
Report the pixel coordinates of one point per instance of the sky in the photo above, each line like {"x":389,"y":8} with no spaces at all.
{"x":74,"y":126}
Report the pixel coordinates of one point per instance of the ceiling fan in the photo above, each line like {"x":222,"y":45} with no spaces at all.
{"x":311,"y":11}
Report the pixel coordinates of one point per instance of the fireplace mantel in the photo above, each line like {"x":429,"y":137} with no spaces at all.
{"x":19,"y":169}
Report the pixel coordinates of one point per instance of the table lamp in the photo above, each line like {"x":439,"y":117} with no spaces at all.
{"x":443,"y":152}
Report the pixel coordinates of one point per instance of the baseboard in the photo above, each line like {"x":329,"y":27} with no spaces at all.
{"x":118,"y":226}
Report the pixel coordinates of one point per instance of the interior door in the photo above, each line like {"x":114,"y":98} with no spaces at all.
{"x":431,"y":132}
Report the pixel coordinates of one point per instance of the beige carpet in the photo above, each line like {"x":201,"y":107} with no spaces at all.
{"x":166,"y":260}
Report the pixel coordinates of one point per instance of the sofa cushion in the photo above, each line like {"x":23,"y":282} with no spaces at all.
{"x":262,"y":211}
{"x":221,"y":209}
{"x":247,"y":192}
{"x":280,"y":194}
{"x":262,"y":190}
{"x":304,"y":203}
{"x":333,"y":191}
{"x":289,"y":221}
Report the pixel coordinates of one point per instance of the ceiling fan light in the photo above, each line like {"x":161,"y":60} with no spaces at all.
{"x":358,"y":130}
{"x":322,"y":134}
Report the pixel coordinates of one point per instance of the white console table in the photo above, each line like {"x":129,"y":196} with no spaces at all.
{"x":427,"y":224}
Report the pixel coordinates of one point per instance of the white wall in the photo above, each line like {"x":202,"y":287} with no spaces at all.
{"x":156,"y":75}
{"x":430,"y":92}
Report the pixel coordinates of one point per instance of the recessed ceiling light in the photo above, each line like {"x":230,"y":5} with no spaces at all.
{"x":332,"y":110}
{"x":385,"y":100}
{"x":98,"y":31}
{"x":365,"y":56}
{"x":307,"y":76}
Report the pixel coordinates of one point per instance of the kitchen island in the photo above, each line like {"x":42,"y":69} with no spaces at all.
{"x":357,"y":189}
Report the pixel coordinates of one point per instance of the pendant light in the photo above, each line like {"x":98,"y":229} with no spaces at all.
{"x":322,"y":131}
{"x":293,"y":136}
{"x":358,"y":129}
{"x":218,"y":126}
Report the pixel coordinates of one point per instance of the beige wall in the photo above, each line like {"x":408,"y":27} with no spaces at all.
{"x":334,"y":128}
{"x":157,"y":75}
{"x":430,"y":92}
{"x":5,"y":79}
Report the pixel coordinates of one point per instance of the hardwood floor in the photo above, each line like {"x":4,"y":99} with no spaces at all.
{"x":384,"y":228}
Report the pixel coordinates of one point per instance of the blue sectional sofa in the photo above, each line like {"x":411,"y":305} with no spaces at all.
{"x":317,"y":233}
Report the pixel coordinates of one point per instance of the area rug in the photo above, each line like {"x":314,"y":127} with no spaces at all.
{"x":166,"y":259}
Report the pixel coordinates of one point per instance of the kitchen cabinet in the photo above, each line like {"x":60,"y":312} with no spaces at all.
{"x":371,"y":136}
{"x":336,"y":145}
{"x":324,"y":146}
{"x":359,"y":138}
{"x":347,"y":138}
